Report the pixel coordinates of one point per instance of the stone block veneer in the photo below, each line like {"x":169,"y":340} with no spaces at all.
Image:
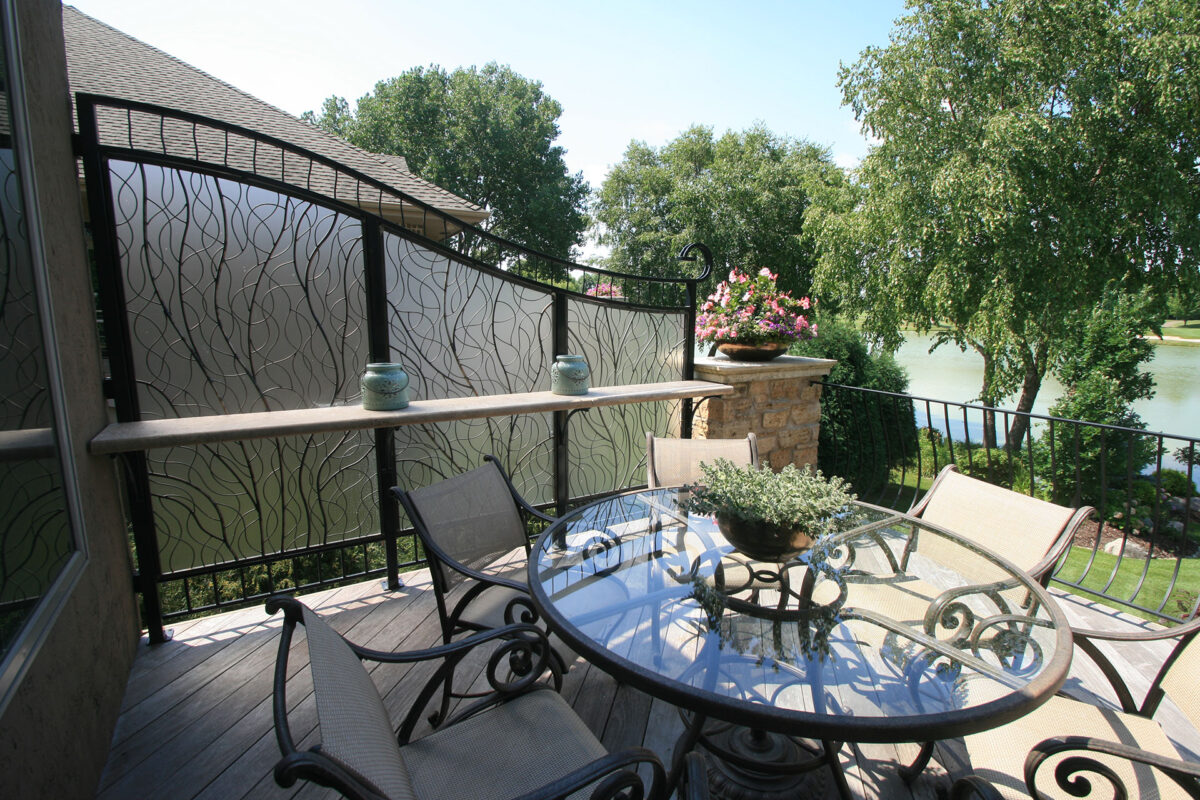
{"x":778,"y":400}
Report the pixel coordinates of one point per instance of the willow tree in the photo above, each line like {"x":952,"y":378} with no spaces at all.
{"x":1032,"y":158}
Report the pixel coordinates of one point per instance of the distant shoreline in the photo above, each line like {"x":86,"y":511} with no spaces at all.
{"x":1170,"y":339}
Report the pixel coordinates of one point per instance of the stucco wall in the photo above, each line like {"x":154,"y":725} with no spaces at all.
{"x":55,"y":731}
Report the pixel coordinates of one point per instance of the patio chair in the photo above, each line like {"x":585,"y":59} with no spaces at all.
{"x":467,"y":523}
{"x":1120,"y":753}
{"x":1033,"y":534}
{"x":674,"y":462}
{"x":520,"y":740}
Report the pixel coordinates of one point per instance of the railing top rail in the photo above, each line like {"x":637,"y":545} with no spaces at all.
{"x":1029,"y":414}
{"x":85,"y":102}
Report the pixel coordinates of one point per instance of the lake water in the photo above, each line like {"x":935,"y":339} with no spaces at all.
{"x":950,"y":374}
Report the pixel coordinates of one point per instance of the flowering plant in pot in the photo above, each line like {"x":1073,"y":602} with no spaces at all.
{"x":748,"y":317}
{"x":770,"y":516}
{"x":606,"y":289}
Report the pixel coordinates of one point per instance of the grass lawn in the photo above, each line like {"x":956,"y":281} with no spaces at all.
{"x":1175,"y":327}
{"x":1157,"y":581}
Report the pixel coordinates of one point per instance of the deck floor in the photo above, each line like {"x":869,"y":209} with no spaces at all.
{"x":196,"y":720}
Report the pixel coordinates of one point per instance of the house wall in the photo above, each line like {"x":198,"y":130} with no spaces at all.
{"x":56,"y":728}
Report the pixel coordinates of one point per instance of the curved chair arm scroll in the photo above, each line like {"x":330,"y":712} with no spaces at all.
{"x":1069,"y":776}
{"x":1042,"y":570}
{"x":617,"y":773}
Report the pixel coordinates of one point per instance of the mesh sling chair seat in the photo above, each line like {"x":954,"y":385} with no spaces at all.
{"x":674,"y":462}
{"x":1067,"y":740}
{"x":521,"y":740}
{"x":1031,"y":533}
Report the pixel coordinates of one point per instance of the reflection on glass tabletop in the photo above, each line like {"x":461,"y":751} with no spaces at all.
{"x":889,"y":630}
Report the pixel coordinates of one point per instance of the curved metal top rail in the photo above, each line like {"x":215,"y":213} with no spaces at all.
{"x":127,"y":127}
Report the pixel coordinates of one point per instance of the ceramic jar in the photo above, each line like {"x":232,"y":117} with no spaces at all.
{"x":569,"y":375}
{"x":384,"y":387}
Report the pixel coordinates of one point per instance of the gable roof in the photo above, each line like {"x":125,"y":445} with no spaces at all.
{"x":105,"y":61}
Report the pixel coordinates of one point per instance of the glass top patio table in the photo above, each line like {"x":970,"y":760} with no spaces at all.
{"x":891,"y":630}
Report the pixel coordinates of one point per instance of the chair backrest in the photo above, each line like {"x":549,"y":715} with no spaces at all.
{"x":674,"y":462}
{"x":1013,"y":525}
{"x":472,"y":517}
{"x":355,"y":728}
{"x":1178,"y":680}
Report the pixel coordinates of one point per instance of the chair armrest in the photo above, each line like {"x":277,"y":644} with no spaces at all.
{"x":1172,"y":632}
{"x":1084,"y":641}
{"x":458,"y":648}
{"x":1041,"y":570}
{"x":620,"y":769}
{"x":1068,"y":771}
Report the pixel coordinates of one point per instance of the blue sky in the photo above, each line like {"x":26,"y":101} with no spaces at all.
{"x":621,"y":70}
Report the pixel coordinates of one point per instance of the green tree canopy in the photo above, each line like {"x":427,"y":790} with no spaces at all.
{"x":743,"y":194}
{"x":485,"y":134}
{"x":1033,"y":156}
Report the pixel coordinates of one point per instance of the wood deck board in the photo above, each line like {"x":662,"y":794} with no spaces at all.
{"x":206,"y":732}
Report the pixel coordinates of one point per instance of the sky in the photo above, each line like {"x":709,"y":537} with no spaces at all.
{"x":621,"y":70}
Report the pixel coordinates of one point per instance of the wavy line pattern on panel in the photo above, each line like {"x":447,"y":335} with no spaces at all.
{"x":621,"y":345}
{"x":462,"y":332}
{"x":216,"y":504}
{"x":240,"y":299}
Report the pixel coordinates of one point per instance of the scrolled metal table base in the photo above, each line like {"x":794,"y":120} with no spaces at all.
{"x":754,"y":764}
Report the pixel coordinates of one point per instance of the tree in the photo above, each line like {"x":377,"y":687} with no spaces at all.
{"x":861,"y":436}
{"x":1033,"y":157}
{"x":486,"y":135}
{"x":744,"y":195}
{"x":1102,"y":377}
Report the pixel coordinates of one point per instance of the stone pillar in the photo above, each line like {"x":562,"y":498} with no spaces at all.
{"x":778,"y":400}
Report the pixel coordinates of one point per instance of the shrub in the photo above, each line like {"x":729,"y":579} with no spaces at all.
{"x":1175,"y":482}
{"x":861,"y":437}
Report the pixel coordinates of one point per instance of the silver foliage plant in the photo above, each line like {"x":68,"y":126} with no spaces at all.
{"x":795,"y":498}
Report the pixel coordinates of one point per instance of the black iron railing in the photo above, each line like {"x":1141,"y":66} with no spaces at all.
{"x":1141,"y":550}
{"x":239,"y":273}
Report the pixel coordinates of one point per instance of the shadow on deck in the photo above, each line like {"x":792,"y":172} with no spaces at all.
{"x":196,"y":719}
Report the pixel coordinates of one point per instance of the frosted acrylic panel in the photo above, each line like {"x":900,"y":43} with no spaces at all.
{"x":621,"y":345}
{"x":238,"y":300}
{"x":461,"y":331}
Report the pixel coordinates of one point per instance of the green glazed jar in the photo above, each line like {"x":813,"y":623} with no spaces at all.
{"x":569,"y":375}
{"x":384,"y":387}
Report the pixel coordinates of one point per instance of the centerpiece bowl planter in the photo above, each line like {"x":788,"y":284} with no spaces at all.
{"x":765,"y":542}
{"x":766,"y":515}
{"x":749,"y":319}
{"x":753,"y":352}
